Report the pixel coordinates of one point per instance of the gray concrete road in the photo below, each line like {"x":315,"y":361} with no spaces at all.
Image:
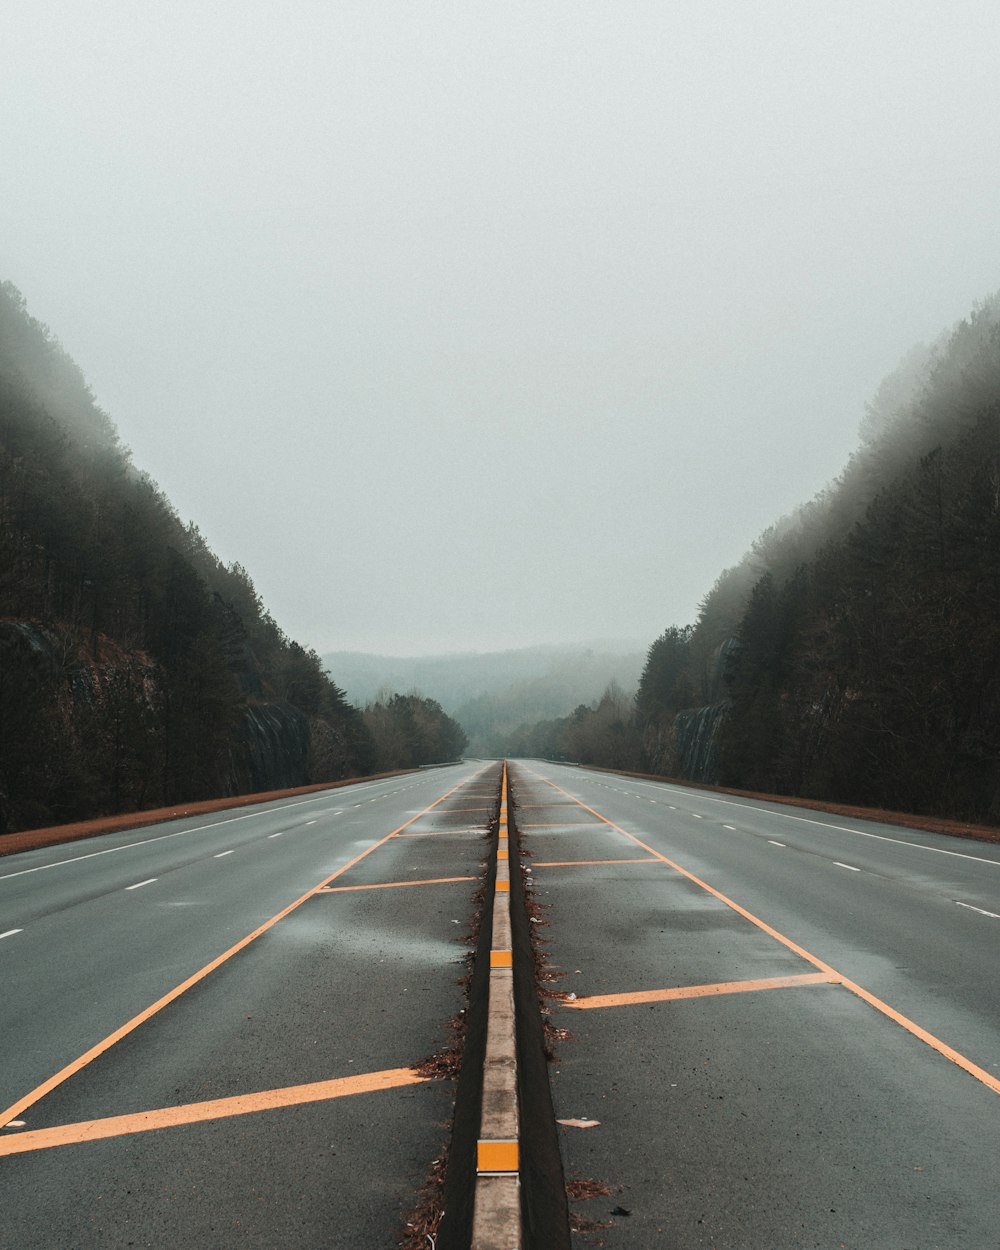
{"x":771,"y":1006}
{"x":271,"y":1103}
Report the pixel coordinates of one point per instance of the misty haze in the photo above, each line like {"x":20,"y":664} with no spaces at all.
{"x":500,"y":520}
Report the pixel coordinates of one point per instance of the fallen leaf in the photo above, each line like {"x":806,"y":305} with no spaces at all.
{"x":579,"y":1123}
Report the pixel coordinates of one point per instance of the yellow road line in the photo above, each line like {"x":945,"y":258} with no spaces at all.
{"x":440,"y":833}
{"x":15,"y":1109}
{"x":956,"y":1057}
{"x":574,"y":863}
{"x":388,"y":885}
{"x":567,"y":824}
{"x":218,"y":1109}
{"x":701,"y":991}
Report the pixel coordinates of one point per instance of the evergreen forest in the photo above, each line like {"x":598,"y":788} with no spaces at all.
{"x":853,"y":655}
{"x":136,"y":669}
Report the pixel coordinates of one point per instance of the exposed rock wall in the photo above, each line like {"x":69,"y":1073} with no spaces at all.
{"x":83,"y":733}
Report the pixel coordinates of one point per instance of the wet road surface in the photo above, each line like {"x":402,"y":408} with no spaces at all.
{"x":271,"y":1102}
{"x":747,"y":1092}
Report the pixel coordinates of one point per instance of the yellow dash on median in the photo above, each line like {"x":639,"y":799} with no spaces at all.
{"x":703,"y":991}
{"x":497,"y":1156}
{"x":219,"y":1109}
{"x":501,"y":959}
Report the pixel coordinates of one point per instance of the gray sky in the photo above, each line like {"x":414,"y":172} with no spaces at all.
{"x":468,"y":325}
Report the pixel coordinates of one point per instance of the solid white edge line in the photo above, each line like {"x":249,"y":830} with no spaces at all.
{"x":139,"y":884}
{"x":825,"y":824}
{"x":179,"y":833}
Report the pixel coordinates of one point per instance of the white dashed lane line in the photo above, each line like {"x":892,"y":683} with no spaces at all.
{"x":732,"y":829}
{"x":276,"y":835}
{"x":861,"y":833}
{"x":968,"y":906}
{"x":221,"y":854}
{"x":849,"y":867}
{"x":10,"y":933}
{"x":773,"y":843}
{"x":163,"y":837}
{"x":139,"y":884}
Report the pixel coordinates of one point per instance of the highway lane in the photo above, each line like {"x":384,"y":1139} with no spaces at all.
{"x":96,"y":945}
{"x":359,"y":979}
{"x":908,"y":914}
{"x":775,"y":1107}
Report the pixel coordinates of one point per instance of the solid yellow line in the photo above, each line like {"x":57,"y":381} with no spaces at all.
{"x":701,"y":991}
{"x":220,"y":1108}
{"x":388,"y":885}
{"x":439,"y":833}
{"x":89,"y":1056}
{"x":565,"y":824}
{"x":573,"y":863}
{"x":956,"y":1057}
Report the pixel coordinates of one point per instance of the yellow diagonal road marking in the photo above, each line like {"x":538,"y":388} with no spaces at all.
{"x":389,"y":885}
{"x":218,"y":1109}
{"x":702,"y":991}
{"x":15,"y":1109}
{"x":949,"y":1052}
{"x":576,"y":863}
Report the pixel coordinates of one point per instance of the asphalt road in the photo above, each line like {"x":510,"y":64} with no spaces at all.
{"x":764,"y":1007}
{"x":271,"y":1102}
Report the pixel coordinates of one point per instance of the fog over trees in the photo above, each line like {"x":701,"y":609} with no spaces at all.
{"x":136,"y":669}
{"x":854,"y":653}
{"x":851,"y":655}
{"x":496,"y":696}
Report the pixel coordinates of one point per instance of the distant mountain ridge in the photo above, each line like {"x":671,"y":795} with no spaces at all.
{"x":492,"y":693}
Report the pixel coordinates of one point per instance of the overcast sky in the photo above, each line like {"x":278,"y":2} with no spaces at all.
{"x":469,"y":325}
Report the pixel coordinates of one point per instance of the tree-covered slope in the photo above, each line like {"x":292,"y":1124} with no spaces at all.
{"x":135,"y":668}
{"x":854,"y":655}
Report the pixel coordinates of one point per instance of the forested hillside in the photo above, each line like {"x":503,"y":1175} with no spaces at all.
{"x":854,"y":654}
{"x":136,"y":669}
{"x":497,"y":697}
